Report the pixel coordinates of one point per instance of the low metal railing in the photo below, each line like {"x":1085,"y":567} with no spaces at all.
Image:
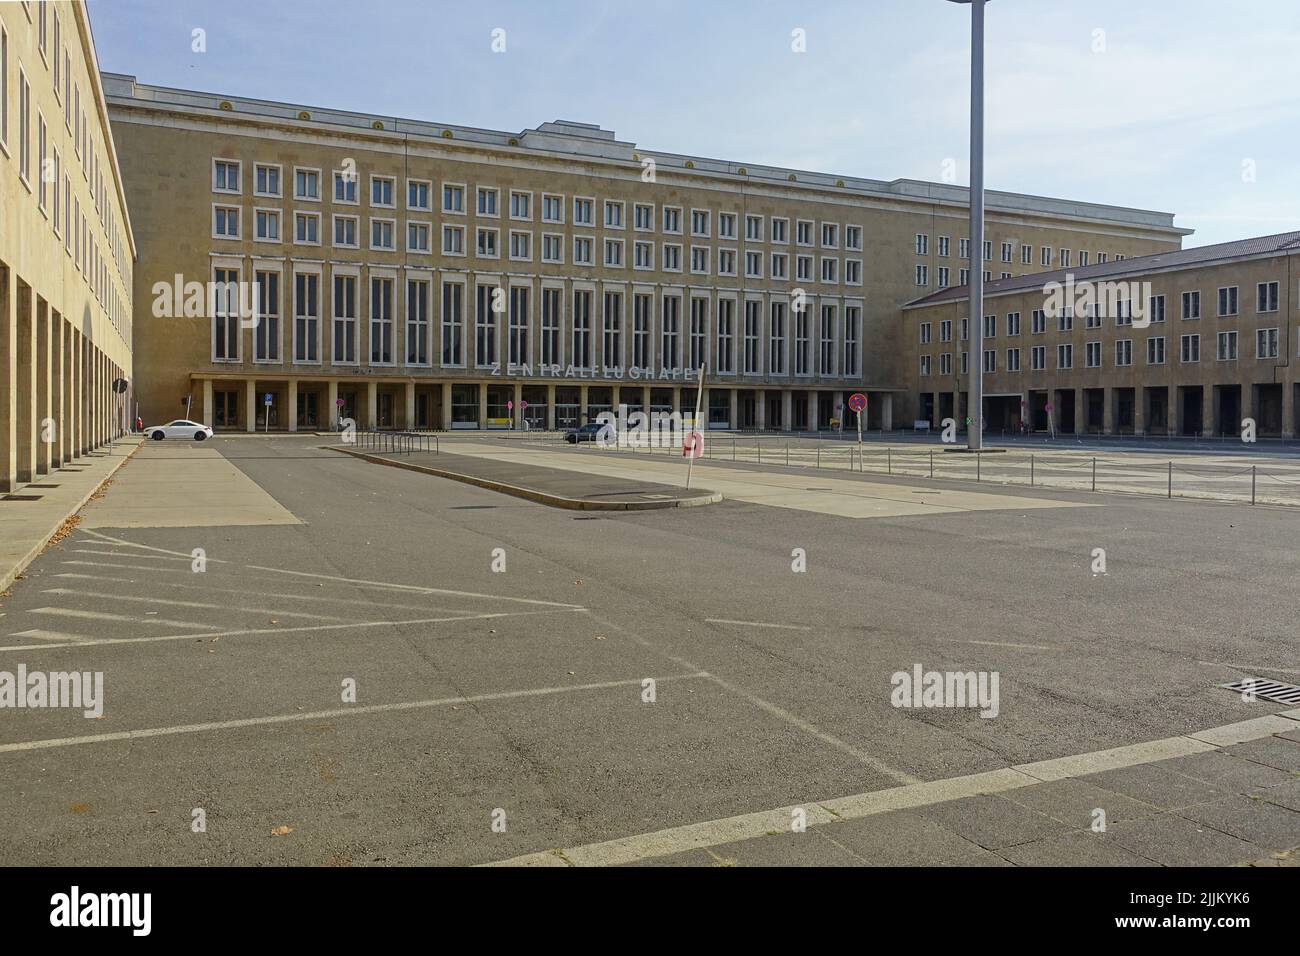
{"x":395,"y":442}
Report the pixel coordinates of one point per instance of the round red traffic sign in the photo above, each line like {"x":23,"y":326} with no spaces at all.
{"x":857,"y":401}
{"x":523,"y":404}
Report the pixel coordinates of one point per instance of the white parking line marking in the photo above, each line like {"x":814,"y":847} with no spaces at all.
{"x":103,"y":642}
{"x":103,"y":616}
{"x":132,"y":567}
{"x":321,"y":714}
{"x":334,"y":577}
{"x":1249,"y":667}
{"x":783,"y":627}
{"x":1022,"y":647}
{"x":316,"y":598}
{"x":227,"y":607}
{"x":124,"y":554}
{"x":54,"y":636}
{"x":712,"y":833}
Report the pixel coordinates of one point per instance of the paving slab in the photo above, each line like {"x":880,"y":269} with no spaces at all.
{"x":1172,"y":840}
{"x":1227,"y":772}
{"x":26,"y":526}
{"x":1284,"y":795}
{"x":1272,"y":751}
{"x":1160,"y":788}
{"x":1077,"y":848}
{"x":1072,"y":802}
{"x":1255,"y":820}
{"x":901,"y":838}
{"x":564,"y":488}
{"x":992,"y":821}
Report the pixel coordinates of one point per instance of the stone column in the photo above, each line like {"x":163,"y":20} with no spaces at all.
{"x":208,"y":409}
{"x":517,"y":415}
{"x":1080,"y":409}
{"x":250,"y":405}
{"x":582,"y":404}
{"x":1139,"y":410}
{"x":26,"y":422}
{"x":760,"y":409}
{"x":62,"y":417}
{"x":1208,"y":404}
{"x":733,"y":395}
{"x":1108,"y":411}
{"x":787,"y":409}
{"x":8,"y":383}
{"x":1288,"y":410}
{"x":332,"y":400}
{"x":812,"y":410}
{"x":1249,"y":408}
{"x":46,"y":423}
{"x":408,"y":412}
{"x":887,"y":411}
{"x":372,"y":404}
{"x":292,"y":402}
{"x":446,"y":406}
{"x":677,"y":399}
{"x":550,"y":406}
{"x":482,"y":405}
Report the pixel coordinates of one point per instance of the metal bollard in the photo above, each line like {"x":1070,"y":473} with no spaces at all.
{"x":1031,"y":471}
{"x":1252,"y":484}
{"x":1171,"y":481}
{"x":1094,"y":473}
{"x":889,"y":460}
{"x":932,"y":463}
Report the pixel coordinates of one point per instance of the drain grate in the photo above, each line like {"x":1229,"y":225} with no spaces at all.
{"x":1266,"y":690}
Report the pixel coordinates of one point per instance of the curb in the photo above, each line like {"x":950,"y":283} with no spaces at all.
{"x":541,"y":497}
{"x":9,"y":575}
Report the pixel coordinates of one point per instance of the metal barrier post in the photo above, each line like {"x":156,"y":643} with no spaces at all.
{"x":1252,"y":484}
{"x":1171,"y":481}
{"x":787,"y":453}
{"x":758,"y":446}
{"x":1031,"y":471}
{"x":932,"y":463}
{"x":889,"y":460}
{"x":978,"y":464}
{"x":1094,"y":472}
{"x":819,"y":456}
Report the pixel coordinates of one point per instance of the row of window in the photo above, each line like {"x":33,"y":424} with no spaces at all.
{"x":227,"y":178}
{"x":1266,"y":301}
{"x":1266,"y":347}
{"x":382,"y":236}
{"x":50,"y":182}
{"x":749,"y":336}
{"x":1064,"y":260}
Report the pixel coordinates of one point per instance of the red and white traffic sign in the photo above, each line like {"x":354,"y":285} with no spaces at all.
{"x":857,"y":401}
{"x":523,"y":404}
{"x":693,"y":446}
{"x":510,"y":405}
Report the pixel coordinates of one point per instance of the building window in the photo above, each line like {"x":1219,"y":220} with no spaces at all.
{"x":780,"y":230}
{"x":852,"y":327}
{"x":225,"y":222}
{"x":267,"y":224}
{"x":521,"y":246}
{"x":266,"y":334}
{"x":306,"y":317}
{"x":24,"y":128}
{"x":453,"y":198}
{"x":922,"y":275}
{"x":1266,"y":343}
{"x":345,"y":187}
{"x":1190,"y":348}
{"x":1227,"y":346}
{"x":726,"y":262}
{"x":582,"y":251}
{"x":453,"y":240}
{"x":642,"y":307}
{"x":1156,"y":350}
{"x":551,"y":305}
{"x":417,"y":237}
{"x":780,"y":266}
{"x":643,"y":217}
{"x":776,"y":338}
{"x":699,"y":260}
{"x":225,"y":315}
{"x":1124,"y":352}
{"x":753,"y":265}
{"x":669,"y":332}
{"x":453,"y":319}
{"x":1266,"y":297}
{"x":753,"y":228}
{"x":612,"y":340}
{"x":830,"y":235}
{"x":552,"y":208}
{"x":830,"y":269}
{"x":225,"y":176}
{"x":417,"y":321}
{"x":700,"y":223}
{"x":613,"y":214}
{"x":614,"y":253}
{"x":552,"y":247}
{"x":643,"y":255}
{"x":306,"y":228}
{"x":803,"y":232}
{"x":485,"y":243}
{"x":1191,"y":305}
{"x":1064,"y":356}
{"x":803,"y":266}
{"x":1156,"y":308}
{"x":1228,"y":300}
{"x":485,"y":326}
{"x":517,"y":327}
{"x":1013,"y":360}
{"x":698,"y":333}
{"x":306,"y":185}
{"x":345,"y":231}
{"x":582,"y":328}
{"x":1038,"y":358}
{"x":417,"y":194}
{"x":381,"y":321}
{"x":266,"y":180}
{"x":726,"y":336}
{"x":487,"y":202}
{"x":345,"y":320}
{"x":826,"y":354}
{"x":584,"y":212}
{"x":521,"y":205}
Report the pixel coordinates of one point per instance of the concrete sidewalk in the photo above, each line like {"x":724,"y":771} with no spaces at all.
{"x":32,"y":514}
{"x":591,"y":490}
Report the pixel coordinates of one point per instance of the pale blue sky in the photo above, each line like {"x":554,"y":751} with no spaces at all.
{"x":1183,"y":94}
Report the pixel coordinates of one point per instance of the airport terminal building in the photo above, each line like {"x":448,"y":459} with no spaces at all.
{"x":419,"y":275}
{"x":1192,"y":342}
{"x":67,"y":255}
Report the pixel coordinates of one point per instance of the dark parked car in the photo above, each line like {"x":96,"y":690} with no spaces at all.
{"x":587,"y":432}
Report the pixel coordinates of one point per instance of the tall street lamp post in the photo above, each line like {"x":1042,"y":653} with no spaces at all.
{"x":975,"y":401}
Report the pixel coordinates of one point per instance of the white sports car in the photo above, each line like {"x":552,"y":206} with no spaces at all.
{"x":179,"y":429}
